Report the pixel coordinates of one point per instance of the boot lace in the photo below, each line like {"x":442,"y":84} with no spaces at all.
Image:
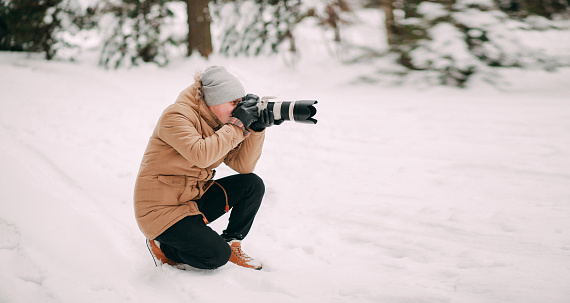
{"x":240,"y":254}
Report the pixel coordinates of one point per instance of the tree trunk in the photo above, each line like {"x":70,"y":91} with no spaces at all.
{"x":199,"y":35}
{"x":391,"y":30}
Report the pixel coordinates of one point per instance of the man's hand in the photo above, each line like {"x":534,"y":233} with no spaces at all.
{"x":251,"y":98}
{"x":264,"y":120}
{"x":246,"y":111}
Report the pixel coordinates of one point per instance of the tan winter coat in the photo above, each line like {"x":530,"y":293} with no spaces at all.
{"x":188,"y":142}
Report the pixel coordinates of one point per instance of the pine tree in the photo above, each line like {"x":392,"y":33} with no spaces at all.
{"x":256,"y":27}
{"x":36,"y":25}
{"x":456,"y":39}
{"x":135,"y":33}
{"x":268,"y":26}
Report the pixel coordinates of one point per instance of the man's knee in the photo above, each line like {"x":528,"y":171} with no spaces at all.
{"x":218,"y":257}
{"x":255,"y":182}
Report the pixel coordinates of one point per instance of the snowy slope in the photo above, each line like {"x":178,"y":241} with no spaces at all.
{"x":396,"y":195}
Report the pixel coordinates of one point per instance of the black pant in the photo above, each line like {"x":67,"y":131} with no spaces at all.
{"x":191,"y":241}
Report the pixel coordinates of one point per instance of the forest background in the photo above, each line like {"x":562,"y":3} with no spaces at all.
{"x":449,"y":41}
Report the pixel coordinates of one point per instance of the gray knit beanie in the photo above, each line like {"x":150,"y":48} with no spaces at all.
{"x":220,"y":86}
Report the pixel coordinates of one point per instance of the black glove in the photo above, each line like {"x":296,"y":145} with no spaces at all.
{"x":246,"y":111}
{"x":265,"y":119}
{"x":250,"y":98}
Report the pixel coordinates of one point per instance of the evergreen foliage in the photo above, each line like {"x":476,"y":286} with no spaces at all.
{"x":37,"y":25}
{"x":256,"y":27}
{"x":263,"y":26}
{"x":456,"y":39}
{"x":451,"y":40}
{"x":134,"y":33}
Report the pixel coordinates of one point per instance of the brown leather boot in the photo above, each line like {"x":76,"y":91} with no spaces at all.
{"x":240,"y":258}
{"x":158,"y":255}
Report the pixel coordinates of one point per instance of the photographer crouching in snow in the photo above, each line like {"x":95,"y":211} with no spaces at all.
{"x":211,"y":122}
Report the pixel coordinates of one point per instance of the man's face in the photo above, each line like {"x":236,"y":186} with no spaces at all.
{"x":224,"y":111}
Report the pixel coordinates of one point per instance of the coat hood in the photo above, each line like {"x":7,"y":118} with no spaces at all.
{"x":193,"y":96}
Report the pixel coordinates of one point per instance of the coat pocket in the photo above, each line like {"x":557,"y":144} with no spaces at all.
{"x":182,"y":189}
{"x":190,"y":192}
{"x":174,"y":181}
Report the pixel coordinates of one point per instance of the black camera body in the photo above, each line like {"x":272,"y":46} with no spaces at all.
{"x":300,"y":111}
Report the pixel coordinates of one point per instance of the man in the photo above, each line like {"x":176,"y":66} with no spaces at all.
{"x":211,"y":122}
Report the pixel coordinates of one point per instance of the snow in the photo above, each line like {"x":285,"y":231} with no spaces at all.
{"x":446,"y":48}
{"x":432,"y":11}
{"x":398,"y":194}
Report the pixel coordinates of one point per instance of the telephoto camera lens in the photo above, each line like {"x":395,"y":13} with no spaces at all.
{"x":300,"y":111}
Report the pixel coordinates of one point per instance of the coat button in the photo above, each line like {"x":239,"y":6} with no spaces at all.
{"x":227,"y":130}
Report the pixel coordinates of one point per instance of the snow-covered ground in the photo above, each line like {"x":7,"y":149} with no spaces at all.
{"x":398,"y":194}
